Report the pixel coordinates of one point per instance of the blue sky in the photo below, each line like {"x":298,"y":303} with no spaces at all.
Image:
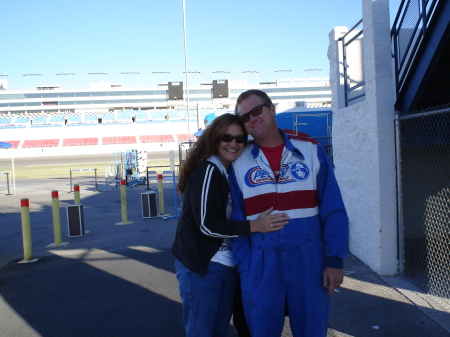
{"x":51,"y":37}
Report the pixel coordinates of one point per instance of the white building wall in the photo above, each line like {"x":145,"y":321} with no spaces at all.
{"x":364,"y":143}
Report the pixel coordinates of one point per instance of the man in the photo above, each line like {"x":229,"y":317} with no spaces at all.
{"x":299,"y":266}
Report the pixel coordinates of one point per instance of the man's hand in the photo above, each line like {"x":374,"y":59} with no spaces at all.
{"x":332,"y":279}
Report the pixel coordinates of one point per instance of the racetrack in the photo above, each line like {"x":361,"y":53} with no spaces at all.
{"x":77,"y":159}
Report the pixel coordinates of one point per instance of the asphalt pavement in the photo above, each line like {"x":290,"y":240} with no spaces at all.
{"x":118,"y":279}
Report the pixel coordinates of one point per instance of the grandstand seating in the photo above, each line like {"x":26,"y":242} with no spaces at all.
{"x":90,"y":119}
{"x":141,"y":114}
{"x":118,"y":140}
{"x":20,"y":122}
{"x":156,"y":138}
{"x":40,"y":143}
{"x":44,"y":121}
{"x":80,"y":141}
{"x":74,"y":120}
{"x":157,"y":115}
{"x":39,"y":121}
{"x":125,"y":117}
{"x":184,"y":137}
{"x":174,"y":115}
{"x":56,"y":120}
{"x":182,"y":114}
{"x":109,"y":119}
{"x":142,"y":117}
{"x":4,"y":122}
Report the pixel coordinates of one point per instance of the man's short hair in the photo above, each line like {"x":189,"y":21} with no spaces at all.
{"x":246,"y":94}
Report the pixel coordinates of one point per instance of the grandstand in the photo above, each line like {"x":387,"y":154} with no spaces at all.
{"x":78,"y":134}
{"x":110,"y":119}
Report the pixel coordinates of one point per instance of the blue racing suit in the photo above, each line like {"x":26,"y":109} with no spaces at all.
{"x":286,"y":267}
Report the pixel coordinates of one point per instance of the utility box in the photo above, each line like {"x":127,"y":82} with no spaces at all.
{"x":75,"y":220}
{"x":149,"y":203}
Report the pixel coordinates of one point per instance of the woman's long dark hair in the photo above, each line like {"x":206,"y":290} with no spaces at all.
{"x":205,"y":146}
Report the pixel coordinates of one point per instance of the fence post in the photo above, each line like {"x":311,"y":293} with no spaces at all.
{"x":148,"y":180}
{"x":7,"y":183}
{"x":26,"y":232}
{"x":76,"y":194}
{"x":160,"y":194}
{"x":56,"y":222}
{"x":96,"y":185}
{"x":71,"y":190}
{"x":123,"y":199}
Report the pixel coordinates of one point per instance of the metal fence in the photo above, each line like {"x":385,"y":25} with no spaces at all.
{"x":408,"y":30}
{"x":425,"y":176}
{"x":353,"y":63}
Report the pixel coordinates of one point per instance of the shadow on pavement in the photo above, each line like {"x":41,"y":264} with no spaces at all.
{"x":118,"y":280}
{"x":87,"y":296}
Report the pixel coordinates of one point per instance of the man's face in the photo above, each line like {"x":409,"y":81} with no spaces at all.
{"x":258,"y":126}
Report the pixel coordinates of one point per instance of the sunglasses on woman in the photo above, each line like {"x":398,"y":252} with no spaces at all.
{"x":256,"y":111}
{"x":227,"y":138}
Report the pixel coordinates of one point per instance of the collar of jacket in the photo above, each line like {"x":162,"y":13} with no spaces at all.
{"x":216,"y":161}
{"x":287,"y":144}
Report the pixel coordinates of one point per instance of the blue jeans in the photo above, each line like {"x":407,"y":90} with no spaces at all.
{"x":208,"y":300}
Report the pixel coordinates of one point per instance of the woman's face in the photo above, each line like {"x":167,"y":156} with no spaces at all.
{"x":230,"y":151}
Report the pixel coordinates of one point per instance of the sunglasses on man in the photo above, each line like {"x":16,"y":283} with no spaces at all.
{"x":227,"y":138}
{"x":256,"y":111}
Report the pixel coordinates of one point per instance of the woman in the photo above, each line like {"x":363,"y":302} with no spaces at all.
{"x":206,"y":276}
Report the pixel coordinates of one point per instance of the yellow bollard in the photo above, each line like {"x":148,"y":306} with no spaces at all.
{"x":160,"y":194}
{"x":123,"y":199}
{"x":56,"y":222}
{"x":26,"y":232}
{"x":76,"y":194}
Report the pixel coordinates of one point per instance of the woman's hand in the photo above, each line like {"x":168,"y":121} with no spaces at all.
{"x":267,"y":222}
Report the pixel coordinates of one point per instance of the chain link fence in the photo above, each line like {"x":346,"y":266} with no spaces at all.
{"x":425,"y":162}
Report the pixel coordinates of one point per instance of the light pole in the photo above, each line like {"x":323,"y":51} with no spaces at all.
{"x":251,"y":72}
{"x":32,"y":75}
{"x":3,"y":85}
{"x":283,"y":71}
{"x":67,"y":74}
{"x":106,"y":74}
{"x":132,"y":73}
{"x":158,"y":72}
{"x":198,"y":114}
{"x":221,"y":72}
{"x":12,"y":157}
{"x":311,"y":70}
{"x":194,"y":72}
{"x":186,"y":69}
